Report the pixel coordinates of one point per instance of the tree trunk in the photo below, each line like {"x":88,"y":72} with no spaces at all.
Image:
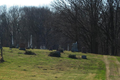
{"x":112,"y":28}
{"x":2,"y":60}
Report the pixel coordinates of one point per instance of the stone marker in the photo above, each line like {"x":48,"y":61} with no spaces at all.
{"x":84,"y":57}
{"x":55,"y":54}
{"x":44,"y":47}
{"x":22,"y":46}
{"x":50,"y":48}
{"x":72,"y":56}
{"x":68,"y":47}
{"x":74,"y":47}
{"x":17,"y":46}
{"x":31,"y":46}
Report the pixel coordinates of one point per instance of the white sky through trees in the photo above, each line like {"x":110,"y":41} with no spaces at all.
{"x":9,"y":3}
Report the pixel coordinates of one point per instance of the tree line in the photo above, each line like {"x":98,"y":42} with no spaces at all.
{"x":93,"y":24}
{"x":17,"y":24}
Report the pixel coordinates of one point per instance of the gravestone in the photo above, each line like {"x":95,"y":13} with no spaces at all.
{"x":50,"y":48}
{"x":68,"y":47}
{"x":40,"y":47}
{"x":84,"y":50}
{"x":22,"y":46}
{"x":72,"y":56}
{"x":61,"y":50}
{"x":12,"y":46}
{"x":17,"y":46}
{"x":55,"y":54}
{"x":43,"y":47}
{"x":74,"y":47}
{"x":31,"y":46}
{"x":84,"y":57}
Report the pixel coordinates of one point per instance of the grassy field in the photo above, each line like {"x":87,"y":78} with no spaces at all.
{"x":18,"y":66}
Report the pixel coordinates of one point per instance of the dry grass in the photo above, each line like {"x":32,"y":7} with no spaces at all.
{"x":18,"y":66}
{"x":112,"y":68}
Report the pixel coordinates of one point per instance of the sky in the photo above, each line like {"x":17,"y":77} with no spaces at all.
{"x":9,"y":3}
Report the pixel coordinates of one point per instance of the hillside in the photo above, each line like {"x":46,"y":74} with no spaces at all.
{"x":19,"y":66}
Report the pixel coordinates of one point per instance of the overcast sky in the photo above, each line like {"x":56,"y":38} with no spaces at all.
{"x":25,"y":2}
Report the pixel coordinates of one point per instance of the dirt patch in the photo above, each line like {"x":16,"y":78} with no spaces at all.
{"x":107,"y":67}
{"x":112,"y":68}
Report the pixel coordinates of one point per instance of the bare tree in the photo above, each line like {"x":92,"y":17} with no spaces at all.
{"x":110,"y":26}
{"x":79,"y":20}
{"x":14,"y":18}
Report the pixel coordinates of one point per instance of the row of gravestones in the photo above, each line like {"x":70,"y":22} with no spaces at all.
{"x":74,"y":47}
{"x":22,"y":47}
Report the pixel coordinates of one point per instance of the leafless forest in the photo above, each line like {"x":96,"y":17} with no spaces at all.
{"x":93,"y":24}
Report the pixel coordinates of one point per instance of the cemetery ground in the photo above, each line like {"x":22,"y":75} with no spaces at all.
{"x":18,"y":66}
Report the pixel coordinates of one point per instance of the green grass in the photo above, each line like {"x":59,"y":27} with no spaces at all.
{"x":19,"y":66}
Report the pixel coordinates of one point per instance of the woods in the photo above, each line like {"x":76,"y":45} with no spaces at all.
{"x":93,"y":24}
